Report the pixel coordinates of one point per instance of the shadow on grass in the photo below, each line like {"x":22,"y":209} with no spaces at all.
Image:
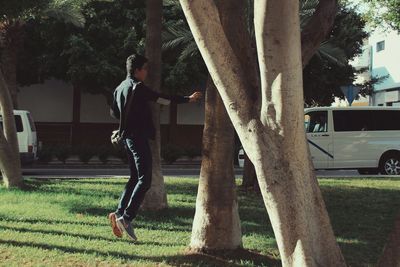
{"x":230,"y":258}
{"x":171,"y":219}
{"x":86,"y":236}
{"x":48,"y":221}
{"x":193,"y":259}
{"x":67,"y":186}
{"x":361,"y":217}
{"x":67,"y":249}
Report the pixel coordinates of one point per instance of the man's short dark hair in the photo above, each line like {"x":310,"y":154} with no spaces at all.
{"x":134,"y":62}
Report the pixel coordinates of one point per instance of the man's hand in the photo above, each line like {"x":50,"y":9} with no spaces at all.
{"x":195,"y":97}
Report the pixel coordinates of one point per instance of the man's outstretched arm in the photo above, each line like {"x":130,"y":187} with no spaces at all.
{"x":164,"y":99}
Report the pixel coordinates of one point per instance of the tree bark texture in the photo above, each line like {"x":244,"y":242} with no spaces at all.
{"x":10,"y":164}
{"x":272,"y":133}
{"x":315,"y":31}
{"x":216,"y":224}
{"x":156,"y":197}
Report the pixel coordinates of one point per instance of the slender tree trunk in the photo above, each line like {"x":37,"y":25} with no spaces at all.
{"x":76,"y":116}
{"x":391,"y":253}
{"x":10,"y":42}
{"x":10,"y":164}
{"x":272,"y":133}
{"x":156,"y":197}
{"x":172,"y":127}
{"x":216,"y":224}
{"x":249,"y":179}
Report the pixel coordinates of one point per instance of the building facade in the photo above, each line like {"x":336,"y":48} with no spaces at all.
{"x":381,"y":58}
{"x":65,"y":115}
{"x":385,"y":62}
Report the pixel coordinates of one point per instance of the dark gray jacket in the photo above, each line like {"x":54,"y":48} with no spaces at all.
{"x":139,"y":117}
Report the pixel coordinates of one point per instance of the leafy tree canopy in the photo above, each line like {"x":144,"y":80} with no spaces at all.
{"x":381,"y":12}
{"x":93,"y":57}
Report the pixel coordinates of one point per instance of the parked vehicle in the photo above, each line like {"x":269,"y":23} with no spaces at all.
{"x":241,"y":158}
{"x":27,"y":136}
{"x":362,"y":138}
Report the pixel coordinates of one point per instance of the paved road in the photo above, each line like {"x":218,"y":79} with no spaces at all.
{"x":170,"y":171}
{"x":100,"y":173}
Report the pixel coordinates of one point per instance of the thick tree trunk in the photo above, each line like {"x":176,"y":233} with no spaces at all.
{"x":216,"y":224}
{"x":314,"y":32}
{"x":273,"y":138}
{"x":10,"y":164}
{"x":391,"y":253}
{"x":289,"y":186}
{"x":156,"y":197}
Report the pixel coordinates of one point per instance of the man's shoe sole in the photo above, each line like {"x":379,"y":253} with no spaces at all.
{"x":121,"y":226}
{"x":113,"y":221}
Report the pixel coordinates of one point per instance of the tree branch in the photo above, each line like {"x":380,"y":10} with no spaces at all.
{"x":317,"y":28}
{"x":223,"y":65}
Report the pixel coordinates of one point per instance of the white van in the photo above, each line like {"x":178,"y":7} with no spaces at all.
{"x":27,"y":136}
{"x":362,"y":138}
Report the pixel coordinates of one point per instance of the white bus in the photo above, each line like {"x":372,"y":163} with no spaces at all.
{"x":362,"y":138}
{"x":27,"y":136}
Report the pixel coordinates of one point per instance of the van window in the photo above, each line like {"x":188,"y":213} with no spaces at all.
{"x":316,"y":122}
{"x":352,"y":120}
{"x":18,"y":123}
{"x":31,"y":123}
{"x":366,"y":120}
{"x":386,"y":120}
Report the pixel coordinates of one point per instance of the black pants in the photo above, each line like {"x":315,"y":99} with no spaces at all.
{"x":140,"y":165}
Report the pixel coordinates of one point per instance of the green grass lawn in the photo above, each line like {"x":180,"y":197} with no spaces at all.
{"x":63,"y":223}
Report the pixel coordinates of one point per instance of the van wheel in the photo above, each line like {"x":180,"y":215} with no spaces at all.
{"x":368,"y":171}
{"x":390,"y":164}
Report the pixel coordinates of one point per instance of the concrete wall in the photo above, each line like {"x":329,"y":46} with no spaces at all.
{"x":94,"y":109}
{"x":48,"y":102}
{"x":191,"y":114}
{"x":51,"y":105}
{"x":53,"y":102}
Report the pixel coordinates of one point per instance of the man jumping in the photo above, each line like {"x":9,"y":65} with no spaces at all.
{"x":138,"y":130}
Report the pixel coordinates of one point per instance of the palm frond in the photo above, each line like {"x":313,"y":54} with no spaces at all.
{"x":307,"y":9}
{"x":332,"y":53}
{"x":171,"y":3}
{"x":67,"y":11}
{"x":178,"y":36}
{"x":190,"y":50}
{"x":307,"y":5}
